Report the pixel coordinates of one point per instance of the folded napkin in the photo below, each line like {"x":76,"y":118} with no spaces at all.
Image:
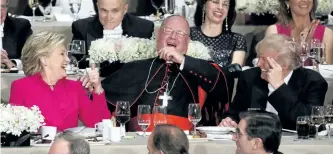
{"x":326,"y":71}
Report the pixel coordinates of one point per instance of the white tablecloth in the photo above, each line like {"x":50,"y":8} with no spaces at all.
{"x":139,"y":146}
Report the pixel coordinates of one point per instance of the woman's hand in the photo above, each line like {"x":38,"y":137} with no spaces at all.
{"x":92,"y":81}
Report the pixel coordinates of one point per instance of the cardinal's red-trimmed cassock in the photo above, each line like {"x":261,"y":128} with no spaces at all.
{"x":188,"y":85}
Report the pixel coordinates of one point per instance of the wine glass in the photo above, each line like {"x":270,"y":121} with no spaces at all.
{"x":79,"y":48}
{"x":45,"y":9}
{"x":170,"y":6}
{"x":75,"y":7}
{"x":328,"y":114}
{"x":194,"y":115}
{"x":157,"y":4}
{"x":303,"y":51}
{"x":33,"y":4}
{"x":160,"y":115}
{"x":123,"y":115}
{"x":190,"y":4}
{"x":144,"y":117}
{"x":73,"y":63}
{"x":317,"y":117}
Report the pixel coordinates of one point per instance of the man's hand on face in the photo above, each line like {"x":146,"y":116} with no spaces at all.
{"x":275,"y":74}
{"x":170,"y":54}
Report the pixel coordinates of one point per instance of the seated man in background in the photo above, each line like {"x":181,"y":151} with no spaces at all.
{"x":69,"y":143}
{"x":15,"y":32}
{"x":167,"y":139}
{"x":258,"y":132}
{"x":112,"y":17}
{"x":278,"y":85}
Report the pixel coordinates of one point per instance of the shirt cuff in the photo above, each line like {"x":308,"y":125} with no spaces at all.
{"x":181,"y":67}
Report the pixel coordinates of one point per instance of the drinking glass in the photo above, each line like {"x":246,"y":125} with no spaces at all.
{"x":79,"y":48}
{"x":190,"y":4}
{"x":329,"y":119}
{"x":123,"y":115}
{"x":317,"y":117}
{"x":45,"y":9}
{"x":157,"y":4}
{"x":303,"y":49}
{"x":75,"y":7}
{"x":194,"y":115}
{"x":316,"y":52}
{"x":160,"y":115}
{"x":73,"y":63}
{"x":170,"y":6}
{"x":144,"y":117}
{"x":33,"y":4}
{"x":303,"y":127}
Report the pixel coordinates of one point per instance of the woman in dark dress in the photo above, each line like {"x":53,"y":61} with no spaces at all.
{"x":213,"y":20}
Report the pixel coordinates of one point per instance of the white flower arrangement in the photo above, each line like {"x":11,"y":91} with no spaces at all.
{"x":16,"y":119}
{"x":128,"y":49}
{"x":272,"y":6}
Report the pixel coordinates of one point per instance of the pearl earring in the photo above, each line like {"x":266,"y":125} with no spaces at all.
{"x":203,"y":15}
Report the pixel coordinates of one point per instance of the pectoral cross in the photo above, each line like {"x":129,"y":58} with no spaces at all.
{"x":165,"y":97}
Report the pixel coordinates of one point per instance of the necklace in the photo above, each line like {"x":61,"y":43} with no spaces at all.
{"x":166,"y":84}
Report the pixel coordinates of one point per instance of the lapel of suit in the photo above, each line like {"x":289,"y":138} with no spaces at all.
{"x":8,"y":42}
{"x":295,"y":82}
{"x":95,"y":31}
{"x":125,"y":25}
{"x":259,"y":93}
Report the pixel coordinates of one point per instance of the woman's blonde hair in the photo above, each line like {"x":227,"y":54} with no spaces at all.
{"x":37,"y":46}
{"x":283,"y":45}
{"x":284,"y":14}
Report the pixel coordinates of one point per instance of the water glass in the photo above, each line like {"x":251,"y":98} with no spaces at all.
{"x":144,"y":117}
{"x":317,"y":117}
{"x":303,"y":49}
{"x":303,"y":127}
{"x":157,"y":4}
{"x":160,"y":115}
{"x":170,"y":6}
{"x":329,"y":119}
{"x":190,"y":4}
{"x":194,"y":115}
{"x":123,"y":115}
{"x":75,"y":7}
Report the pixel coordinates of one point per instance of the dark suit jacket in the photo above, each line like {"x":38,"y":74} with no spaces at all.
{"x":16,"y":32}
{"x":306,"y":88}
{"x":90,"y":29}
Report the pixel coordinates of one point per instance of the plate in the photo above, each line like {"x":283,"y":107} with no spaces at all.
{"x":216,"y":129}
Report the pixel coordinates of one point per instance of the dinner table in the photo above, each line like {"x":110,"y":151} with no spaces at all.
{"x":137,"y":144}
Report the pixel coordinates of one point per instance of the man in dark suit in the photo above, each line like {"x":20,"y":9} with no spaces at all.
{"x":15,"y":32}
{"x":279,"y":85}
{"x":111,"y":13}
{"x":258,"y":132}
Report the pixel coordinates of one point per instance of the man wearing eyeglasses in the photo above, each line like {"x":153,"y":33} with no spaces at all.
{"x":258,"y":132}
{"x":14,"y":33}
{"x":173,"y":75}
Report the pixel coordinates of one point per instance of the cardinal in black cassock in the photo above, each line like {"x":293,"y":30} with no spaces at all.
{"x":186,"y":79}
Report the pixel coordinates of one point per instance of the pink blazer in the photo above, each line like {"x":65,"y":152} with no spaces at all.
{"x":64,"y":105}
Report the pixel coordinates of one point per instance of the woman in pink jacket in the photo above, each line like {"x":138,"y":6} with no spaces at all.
{"x":62,"y":102}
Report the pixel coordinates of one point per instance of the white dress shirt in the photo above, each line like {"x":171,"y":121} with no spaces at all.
{"x":269,"y":107}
